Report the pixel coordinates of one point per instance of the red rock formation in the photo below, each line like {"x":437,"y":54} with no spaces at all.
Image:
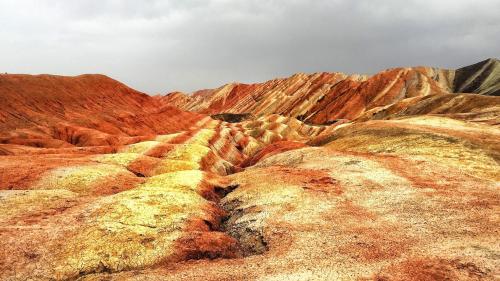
{"x":317,"y":98}
{"x":99,"y":181}
{"x":321,"y":98}
{"x":59,"y":111}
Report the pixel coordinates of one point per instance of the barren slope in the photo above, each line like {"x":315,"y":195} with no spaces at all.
{"x":60,"y":111}
{"x":101,"y":182}
{"x":482,"y":78}
{"x":409,"y":199}
{"x":326,"y":97}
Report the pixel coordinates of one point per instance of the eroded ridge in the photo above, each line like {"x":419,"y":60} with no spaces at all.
{"x":351,"y":208}
{"x":325,"y":98}
{"x":101,"y":182}
{"x":150,"y":203}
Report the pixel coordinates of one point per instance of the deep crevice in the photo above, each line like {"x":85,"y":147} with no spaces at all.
{"x":137,"y":174}
{"x":238,"y":224}
{"x":245,"y":230}
{"x":224,"y":191}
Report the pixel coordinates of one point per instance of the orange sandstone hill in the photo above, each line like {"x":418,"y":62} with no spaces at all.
{"x":322,"y":98}
{"x":101,"y":182}
{"x":55,"y":111}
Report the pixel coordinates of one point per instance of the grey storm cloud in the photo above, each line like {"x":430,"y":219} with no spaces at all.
{"x":159,"y":46}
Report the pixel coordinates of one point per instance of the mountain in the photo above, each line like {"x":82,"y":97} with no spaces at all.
{"x":50,"y":111}
{"x":323,"y":98}
{"x":481,"y":78}
{"x":314,"y":177}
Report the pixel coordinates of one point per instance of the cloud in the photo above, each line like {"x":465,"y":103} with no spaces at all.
{"x":158,"y":46}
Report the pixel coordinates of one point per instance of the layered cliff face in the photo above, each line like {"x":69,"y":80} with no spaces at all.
{"x":101,"y":182}
{"x":323,"y":98}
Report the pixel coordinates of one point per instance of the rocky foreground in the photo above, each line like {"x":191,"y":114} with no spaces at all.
{"x":101,"y":182}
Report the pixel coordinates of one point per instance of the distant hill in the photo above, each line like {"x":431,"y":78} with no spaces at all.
{"x":323,"y":98}
{"x":50,"y":110}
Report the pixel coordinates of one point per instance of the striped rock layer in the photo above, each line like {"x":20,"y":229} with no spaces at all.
{"x":87,"y":110}
{"x":67,"y":214}
{"x":321,"y":98}
{"x":101,"y":182}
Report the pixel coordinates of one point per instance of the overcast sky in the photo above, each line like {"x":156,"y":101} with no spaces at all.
{"x":160,"y":46}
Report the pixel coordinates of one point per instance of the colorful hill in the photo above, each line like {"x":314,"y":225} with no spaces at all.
{"x":312,"y":177}
{"x":323,"y":98}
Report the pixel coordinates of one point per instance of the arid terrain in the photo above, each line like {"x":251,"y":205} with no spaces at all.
{"x":324,"y":176}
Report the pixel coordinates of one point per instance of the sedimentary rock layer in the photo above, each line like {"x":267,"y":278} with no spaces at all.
{"x":322,"y":98}
{"x":101,"y":182}
{"x":408,"y":199}
{"x":66,"y":215}
{"x":87,"y":110}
